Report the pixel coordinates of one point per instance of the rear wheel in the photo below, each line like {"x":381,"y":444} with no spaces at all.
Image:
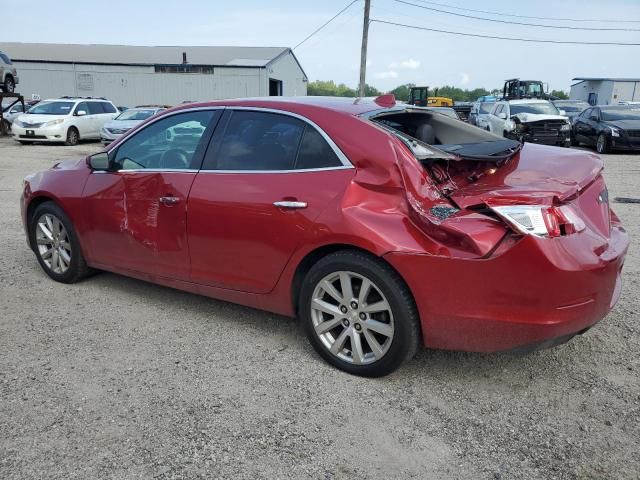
{"x":56,"y":244}
{"x":73,"y":138}
{"x":602,"y":144}
{"x":358,"y":314}
{"x":9,"y":84}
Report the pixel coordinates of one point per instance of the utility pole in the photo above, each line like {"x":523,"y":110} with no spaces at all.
{"x":363,"y":51}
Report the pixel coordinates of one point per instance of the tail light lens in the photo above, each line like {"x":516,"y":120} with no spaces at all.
{"x":541,"y":221}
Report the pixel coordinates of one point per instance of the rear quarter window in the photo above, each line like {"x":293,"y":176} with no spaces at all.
{"x":315,"y":152}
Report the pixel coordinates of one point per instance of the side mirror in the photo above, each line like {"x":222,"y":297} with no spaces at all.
{"x":502,"y":115}
{"x":80,"y":113}
{"x":562,"y":112}
{"x":99,"y":161}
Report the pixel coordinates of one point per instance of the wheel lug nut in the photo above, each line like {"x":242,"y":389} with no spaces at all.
{"x":343,"y":309}
{"x":362,"y":316}
{"x":354,"y":305}
{"x":345,"y":322}
{"x":357,"y":327}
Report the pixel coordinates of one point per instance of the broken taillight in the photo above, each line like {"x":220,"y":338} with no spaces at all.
{"x":540,"y":220}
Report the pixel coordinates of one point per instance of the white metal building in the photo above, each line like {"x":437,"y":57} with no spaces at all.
{"x":135,"y":75}
{"x":605,"y":91}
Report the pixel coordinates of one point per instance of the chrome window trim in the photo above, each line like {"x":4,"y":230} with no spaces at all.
{"x":299,"y":170}
{"x":339,"y":153}
{"x":346,"y":164}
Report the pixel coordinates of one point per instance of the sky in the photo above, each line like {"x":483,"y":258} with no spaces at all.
{"x":396,"y":55}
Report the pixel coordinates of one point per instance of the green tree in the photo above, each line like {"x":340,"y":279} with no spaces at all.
{"x":560,"y":94}
{"x":329,"y":88}
{"x":402,"y":92}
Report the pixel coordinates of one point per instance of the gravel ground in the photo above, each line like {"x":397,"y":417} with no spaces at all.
{"x":117,"y":378}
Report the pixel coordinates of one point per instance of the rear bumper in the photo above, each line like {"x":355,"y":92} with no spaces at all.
{"x":540,"y":289}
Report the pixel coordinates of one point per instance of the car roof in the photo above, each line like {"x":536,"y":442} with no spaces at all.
{"x":75,"y":99}
{"x":346,"y":105}
{"x":527,"y":101}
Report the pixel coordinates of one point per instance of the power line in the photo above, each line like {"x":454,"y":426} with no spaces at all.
{"x":518,"y":23}
{"x":527,"y":16}
{"x":325,"y":24}
{"x":416,"y":27}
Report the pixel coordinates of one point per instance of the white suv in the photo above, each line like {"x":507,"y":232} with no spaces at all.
{"x":66,"y":119}
{"x":8,"y":74}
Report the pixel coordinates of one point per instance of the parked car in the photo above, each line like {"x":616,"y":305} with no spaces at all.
{"x":479,"y":109}
{"x":571,"y":108}
{"x":13,"y":112}
{"x":383,"y":227}
{"x":125,"y":122}
{"x":66,"y":119}
{"x":533,"y":121}
{"x":122,"y":108}
{"x":8,"y":74}
{"x":608,"y":127}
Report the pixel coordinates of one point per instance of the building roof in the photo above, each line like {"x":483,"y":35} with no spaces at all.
{"x":596,"y":79}
{"x":142,"y":55}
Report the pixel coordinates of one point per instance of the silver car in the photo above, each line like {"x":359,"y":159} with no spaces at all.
{"x":126,"y":121}
{"x":8,"y":74}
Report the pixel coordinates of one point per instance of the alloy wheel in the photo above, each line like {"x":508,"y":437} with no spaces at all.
{"x":54,"y":246}
{"x":352,"y":318}
{"x":10,"y":85}
{"x":600,"y":146}
{"x":72,"y":137}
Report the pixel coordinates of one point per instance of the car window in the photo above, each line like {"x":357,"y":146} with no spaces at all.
{"x":259,"y":141}
{"x":82,"y":106}
{"x":5,"y":59}
{"x":315,"y":152}
{"x":169,"y":143}
{"x":498,"y":109}
{"x":95,"y":108}
{"x":108,"y":107}
{"x":585,"y":114}
{"x":52,"y":108}
{"x":595,"y":112}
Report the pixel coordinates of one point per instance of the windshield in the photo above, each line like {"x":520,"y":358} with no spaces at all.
{"x":535,"y":108}
{"x":51,"y":108}
{"x":135,"y":115}
{"x":630,"y":114}
{"x":572,"y":106}
{"x":486,"y":107}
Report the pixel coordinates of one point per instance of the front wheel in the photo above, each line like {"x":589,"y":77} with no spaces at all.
{"x":602,"y":144}
{"x":73,"y":138}
{"x":56,"y":244}
{"x":358,"y":314}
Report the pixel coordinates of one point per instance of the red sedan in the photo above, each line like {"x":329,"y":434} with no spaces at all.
{"x":383,"y":227}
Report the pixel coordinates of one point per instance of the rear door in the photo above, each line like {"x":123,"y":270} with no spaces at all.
{"x":266,"y":177}
{"x":138,"y":212}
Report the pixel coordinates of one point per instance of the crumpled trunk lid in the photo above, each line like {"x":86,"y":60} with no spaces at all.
{"x":537,"y":175}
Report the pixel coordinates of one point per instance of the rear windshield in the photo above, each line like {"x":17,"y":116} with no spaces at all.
{"x":486,"y":107}
{"x":51,"y":108}
{"x":135,"y":115}
{"x":620,"y":114}
{"x":572,"y":107}
{"x":535,"y":108}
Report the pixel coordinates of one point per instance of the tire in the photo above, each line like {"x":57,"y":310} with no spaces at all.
{"x":5,"y":127}
{"x":22,"y":142}
{"x":573,"y":141}
{"x":61,"y":237}
{"x":73,"y":137}
{"x":9,"y":84}
{"x":602,"y":144}
{"x":329,"y":319}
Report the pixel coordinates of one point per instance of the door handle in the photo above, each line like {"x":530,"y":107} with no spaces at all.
{"x":169,"y":201}
{"x":291,"y":205}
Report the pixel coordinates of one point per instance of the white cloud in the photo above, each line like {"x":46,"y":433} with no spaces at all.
{"x":410,"y":64}
{"x":465,"y":79}
{"x":388,"y":74}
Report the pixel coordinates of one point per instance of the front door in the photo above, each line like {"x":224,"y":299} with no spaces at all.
{"x":265,"y":180}
{"x":137,"y":212}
